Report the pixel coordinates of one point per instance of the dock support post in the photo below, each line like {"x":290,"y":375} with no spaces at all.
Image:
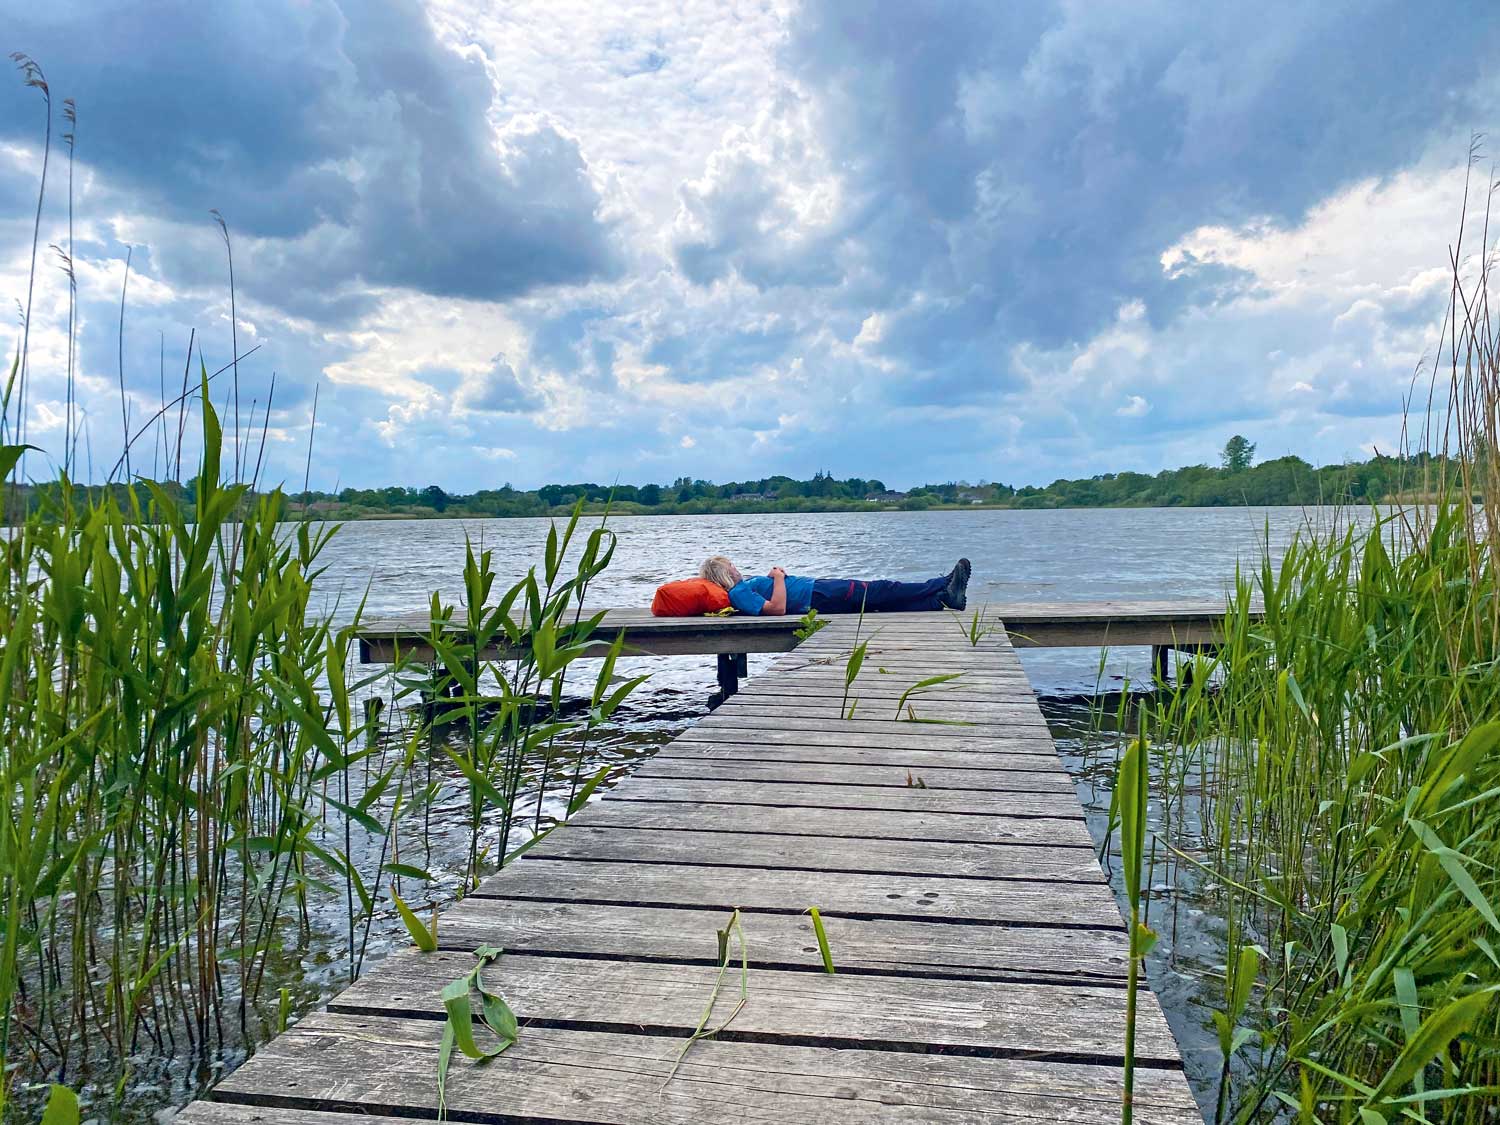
{"x":1161,"y":662}
{"x":732,"y":665}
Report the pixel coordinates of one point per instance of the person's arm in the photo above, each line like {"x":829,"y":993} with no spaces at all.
{"x":776,"y":606}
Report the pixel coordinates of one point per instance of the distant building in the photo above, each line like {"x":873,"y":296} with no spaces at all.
{"x":885,"y":497}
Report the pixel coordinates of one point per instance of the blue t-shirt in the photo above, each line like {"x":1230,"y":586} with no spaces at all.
{"x":753,"y":593}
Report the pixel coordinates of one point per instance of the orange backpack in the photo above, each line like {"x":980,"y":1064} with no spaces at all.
{"x":689,"y":598}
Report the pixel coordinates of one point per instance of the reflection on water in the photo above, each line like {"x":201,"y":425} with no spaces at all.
{"x":1083,"y":555}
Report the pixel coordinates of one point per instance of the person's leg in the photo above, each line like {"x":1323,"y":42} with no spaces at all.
{"x":883,"y":595}
{"x":837,"y":595}
{"x":887,"y":596}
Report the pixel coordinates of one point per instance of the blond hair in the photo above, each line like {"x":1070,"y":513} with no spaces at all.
{"x":719,"y":569}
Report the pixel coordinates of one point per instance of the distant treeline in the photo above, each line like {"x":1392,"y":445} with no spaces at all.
{"x":1285,"y":480}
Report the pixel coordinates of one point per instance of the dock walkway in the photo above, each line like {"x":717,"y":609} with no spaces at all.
{"x":981,"y":956}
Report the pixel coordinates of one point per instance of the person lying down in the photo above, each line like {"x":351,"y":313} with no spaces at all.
{"x":779,"y":592}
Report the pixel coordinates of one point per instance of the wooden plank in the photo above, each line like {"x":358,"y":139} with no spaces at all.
{"x":707,"y":816}
{"x":1062,"y":805}
{"x":996,"y":1018}
{"x":1005,"y":759}
{"x":807,"y":720}
{"x":800,"y":665}
{"x":362,"y":1064}
{"x":915,"y":947}
{"x":974,"y":714}
{"x":731,"y":727}
{"x":880,"y":689}
{"x":807,"y":773}
{"x":1044,"y":903}
{"x":793,"y":852}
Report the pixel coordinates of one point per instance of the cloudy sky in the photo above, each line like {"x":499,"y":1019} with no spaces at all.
{"x":564,"y":240}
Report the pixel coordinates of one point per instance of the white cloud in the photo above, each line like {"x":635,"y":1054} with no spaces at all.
{"x":837,"y":238}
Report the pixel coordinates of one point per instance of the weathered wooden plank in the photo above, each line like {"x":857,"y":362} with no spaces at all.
{"x":1082,"y":1023}
{"x":1048,"y":903}
{"x":1022,"y":714}
{"x":768,"y":793}
{"x":885,"y":690}
{"x":809,"y":719}
{"x":731,"y":727}
{"x":819,"y":853}
{"x":928,"y":777}
{"x":798,"y":665}
{"x":915,"y":947}
{"x":916,"y":653}
{"x":1003,"y":759}
{"x":373,"y":1064}
{"x":894,"y":677}
{"x":708,"y":816}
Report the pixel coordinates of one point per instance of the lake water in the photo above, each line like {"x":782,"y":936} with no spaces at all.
{"x":1076,"y":555}
{"x":1064,"y":555}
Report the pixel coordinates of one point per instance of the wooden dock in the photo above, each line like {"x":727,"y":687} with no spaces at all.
{"x":981,"y":956}
{"x":1186,"y":625}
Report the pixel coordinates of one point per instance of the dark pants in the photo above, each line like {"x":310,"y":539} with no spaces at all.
{"x":845,"y":595}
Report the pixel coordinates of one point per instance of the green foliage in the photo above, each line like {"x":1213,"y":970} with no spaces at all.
{"x":734,"y":927}
{"x":422,"y":937}
{"x":184,"y":775}
{"x":808,"y":624}
{"x":1130,"y":806}
{"x":62,"y":1107}
{"x":855,"y":662}
{"x":507,"y":713}
{"x":1349,"y":762}
{"x":461,"y":1022}
{"x":822,"y":935}
{"x":1283,"y":480}
{"x":1238,"y":453}
{"x":920,"y":688}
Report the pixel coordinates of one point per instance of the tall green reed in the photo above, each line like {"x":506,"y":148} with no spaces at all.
{"x":187,"y":778}
{"x":1335,"y":767}
{"x":502,"y":670}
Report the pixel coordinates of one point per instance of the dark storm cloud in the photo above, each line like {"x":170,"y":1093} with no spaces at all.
{"x":343,"y":136}
{"x":566,"y":344}
{"x":1028,"y":164}
{"x":499,"y":391}
{"x":729,"y":354}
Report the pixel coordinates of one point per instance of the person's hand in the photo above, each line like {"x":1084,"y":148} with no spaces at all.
{"x":777,"y":572}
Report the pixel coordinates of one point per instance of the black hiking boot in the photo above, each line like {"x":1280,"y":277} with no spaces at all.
{"x":956,"y":596}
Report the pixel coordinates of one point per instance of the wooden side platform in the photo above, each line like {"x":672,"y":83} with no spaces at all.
{"x":1186,"y":624}
{"x":981,"y":956}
